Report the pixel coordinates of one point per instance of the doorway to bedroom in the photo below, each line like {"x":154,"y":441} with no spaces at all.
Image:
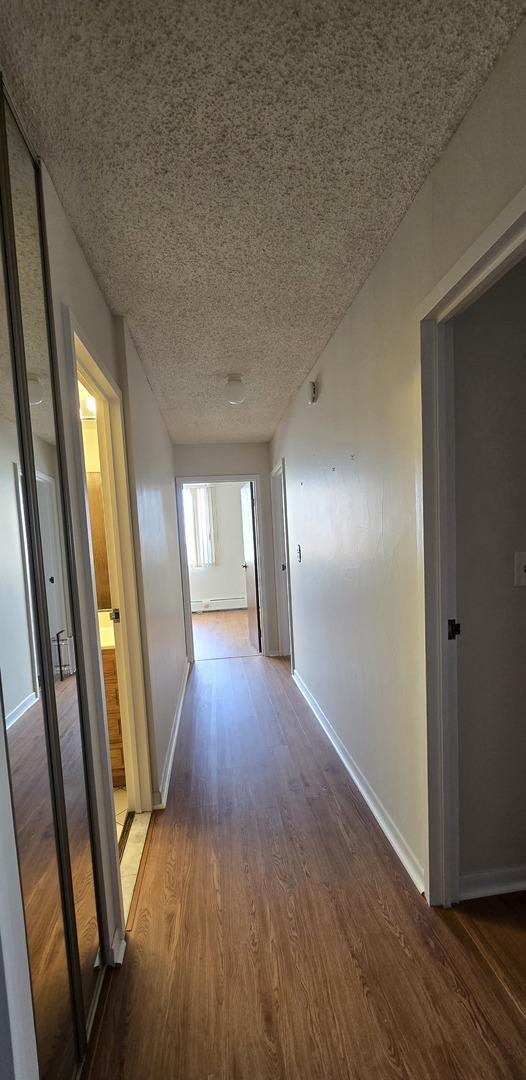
{"x":223,"y":580}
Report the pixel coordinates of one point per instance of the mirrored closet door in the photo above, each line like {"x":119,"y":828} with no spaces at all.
{"x":40,"y":650}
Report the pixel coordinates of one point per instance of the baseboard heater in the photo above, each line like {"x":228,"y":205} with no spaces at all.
{"x":225,"y":604}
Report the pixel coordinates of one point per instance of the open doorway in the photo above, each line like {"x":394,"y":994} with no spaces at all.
{"x":220,"y":541}
{"x":115,"y":591}
{"x":107,"y":612}
{"x":474,"y":403}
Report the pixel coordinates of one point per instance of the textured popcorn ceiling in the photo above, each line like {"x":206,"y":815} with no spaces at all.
{"x":233,"y":170}
{"x":25,"y":215}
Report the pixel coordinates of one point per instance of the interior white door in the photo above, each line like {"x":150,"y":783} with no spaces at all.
{"x":280,"y":550}
{"x":52,"y":553}
{"x":250,"y":563}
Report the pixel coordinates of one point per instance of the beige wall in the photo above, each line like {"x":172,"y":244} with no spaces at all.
{"x":150,"y":461}
{"x":354,"y":470}
{"x":238,"y":459}
{"x":490,"y":489}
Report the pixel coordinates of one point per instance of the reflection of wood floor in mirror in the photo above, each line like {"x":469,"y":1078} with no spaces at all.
{"x":221,"y":634}
{"x":36,"y":845}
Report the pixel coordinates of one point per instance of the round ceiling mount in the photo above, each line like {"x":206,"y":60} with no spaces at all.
{"x":234,"y":390}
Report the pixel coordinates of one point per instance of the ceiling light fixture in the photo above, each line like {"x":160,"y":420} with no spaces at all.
{"x":234,"y":391}
{"x":88,"y":407}
{"x":34,"y":389}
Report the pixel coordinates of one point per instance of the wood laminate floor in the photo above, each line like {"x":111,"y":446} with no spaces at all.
{"x":39,"y":874}
{"x":276,"y":934}
{"x":221,"y":634}
{"x":496,"y":925}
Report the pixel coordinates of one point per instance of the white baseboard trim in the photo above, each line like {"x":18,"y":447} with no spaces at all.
{"x":492,"y":882}
{"x":20,"y":709}
{"x":388,"y":826}
{"x":235,"y":603}
{"x":168,"y":762}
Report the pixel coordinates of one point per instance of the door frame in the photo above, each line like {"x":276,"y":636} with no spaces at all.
{"x":101,"y":779}
{"x":119,"y":540}
{"x":500,"y":247}
{"x":248,"y":486}
{"x":240,"y":478}
{"x":278,"y":475}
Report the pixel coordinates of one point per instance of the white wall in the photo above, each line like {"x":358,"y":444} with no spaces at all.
{"x":224,"y":582}
{"x":16,"y":662}
{"x":354,"y":470}
{"x":15,"y":628}
{"x":231,"y":460}
{"x":150,"y":462}
{"x":16,"y":1011}
{"x":490,"y":487}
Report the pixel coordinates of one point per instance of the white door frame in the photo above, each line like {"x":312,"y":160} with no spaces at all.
{"x":119,"y":541}
{"x":241,"y":478}
{"x":101,"y":790}
{"x":496,"y":251}
{"x":96,"y":721}
{"x":277,"y":477}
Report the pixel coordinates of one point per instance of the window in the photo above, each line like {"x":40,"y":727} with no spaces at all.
{"x":198,"y":507}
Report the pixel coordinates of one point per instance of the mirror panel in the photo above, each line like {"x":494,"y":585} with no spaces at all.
{"x":61,"y":628}
{"x":26,"y":742}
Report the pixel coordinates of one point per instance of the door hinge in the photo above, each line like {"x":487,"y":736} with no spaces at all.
{"x":453,"y":629}
{"x":115,"y":615}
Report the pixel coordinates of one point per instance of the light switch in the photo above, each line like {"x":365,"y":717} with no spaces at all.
{"x":519,"y":577}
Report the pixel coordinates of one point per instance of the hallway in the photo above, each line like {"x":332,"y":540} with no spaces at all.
{"x":275,"y":933}
{"x":219,"y":635}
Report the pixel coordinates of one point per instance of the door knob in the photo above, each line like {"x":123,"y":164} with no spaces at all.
{"x":244,"y":565}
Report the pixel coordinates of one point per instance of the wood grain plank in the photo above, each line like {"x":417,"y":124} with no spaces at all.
{"x":276,"y":934}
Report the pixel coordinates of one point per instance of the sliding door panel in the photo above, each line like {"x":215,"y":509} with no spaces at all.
{"x":20,"y":672}
{"x":61,"y":629}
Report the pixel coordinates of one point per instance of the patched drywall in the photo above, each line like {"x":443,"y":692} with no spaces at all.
{"x":234,"y":172}
{"x":354,"y":468}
